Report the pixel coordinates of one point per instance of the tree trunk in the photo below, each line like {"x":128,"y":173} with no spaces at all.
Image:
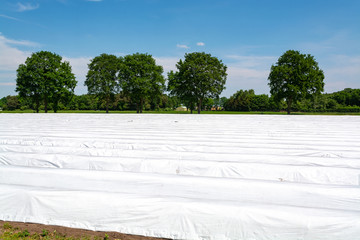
{"x":141,"y":105}
{"x":191,"y":107}
{"x":199,"y":106}
{"x":107,"y":104}
{"x":137,"y":108}
{"x":289,"y":102}
{"x":37,"y":106}
{"x":46,"y":104}
{"x":55,"y":107}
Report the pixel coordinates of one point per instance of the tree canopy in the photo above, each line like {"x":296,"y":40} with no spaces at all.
{"x":294,"y":77}
{"x":45,"y":78}
{"x":199,"y":76}
{"x":101,"y":79}
{"x":141,"y":79}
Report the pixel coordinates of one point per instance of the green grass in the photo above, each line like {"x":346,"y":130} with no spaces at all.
{"x":188,"y":112}
{"x":7,"y":232}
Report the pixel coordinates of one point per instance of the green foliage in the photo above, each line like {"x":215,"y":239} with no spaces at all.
{"x":7,"y":226}
{"x":45,"y":78}
{"x":347,"y":97}
{"x":23,"y":234}
{"x":246,"y":100}
{"x":45,"y":83}
{"x":221,"y":102}
{"x":2,"y":102}
{"x":243,"y":100}
{"x":44,"y":233}
{"x":199,"y":77}
{"x":11,"y":103}
{"x":240,"y":101}
{"x":141,"y":79}
{"x":294,"y":77}
{"x":101,"y":79}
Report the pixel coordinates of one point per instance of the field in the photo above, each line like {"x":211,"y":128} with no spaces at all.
{"x":184,"y":176}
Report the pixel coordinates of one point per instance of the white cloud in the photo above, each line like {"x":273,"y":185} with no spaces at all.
{"x":18,"y":42}
{"x":8,"y":17}
{"x":247,"y":72}
{"x":182,"y":46}
{"x":7,"y":84}
{"x":168,"y":63}
{"x":251,"y":72}
{"x":26,"y":7}
{"x":79,"y":68}
{"x":341,"y":72}
{"x":10,"y":56}
{"x":200,"y":44}
{"x":10,"y":59}
{"x":94,"y":0}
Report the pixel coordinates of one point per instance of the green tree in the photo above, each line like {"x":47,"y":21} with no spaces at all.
{"x":347,"y":97}
{"x":241,"y":101}
{"x":2,"y":102}
{"x":199,"y":76}
{"x":260,"y":103}
{"x":63,"y":88}
{"x":9,"y":103}
{"x":12,"y":102}
{"x":295,"y":76}
{"x":178,"y":88}
{"x":45,"y":78}
{"x":101,"y":79}
{"x":141,"y":79}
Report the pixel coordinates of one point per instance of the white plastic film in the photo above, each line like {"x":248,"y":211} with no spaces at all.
{"x":184,"y":176}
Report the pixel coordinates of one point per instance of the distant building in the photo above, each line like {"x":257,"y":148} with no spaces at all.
{"x":216,"y":108}
{"x":181,"y":108}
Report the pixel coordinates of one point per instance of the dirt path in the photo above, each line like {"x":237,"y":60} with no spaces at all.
{"x":72,"y":232}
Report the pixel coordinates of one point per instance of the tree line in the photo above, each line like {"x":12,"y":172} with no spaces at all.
{"x":347,"y":100}
{"x":46,"y":79}
{"x":136,"y":82}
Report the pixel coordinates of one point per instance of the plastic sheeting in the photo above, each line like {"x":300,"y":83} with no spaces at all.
{"x":184,"y":176}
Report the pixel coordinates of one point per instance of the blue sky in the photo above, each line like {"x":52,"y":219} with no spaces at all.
{"x":247,"y":35}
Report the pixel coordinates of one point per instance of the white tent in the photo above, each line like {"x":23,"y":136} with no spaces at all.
{"x":184,"y":176}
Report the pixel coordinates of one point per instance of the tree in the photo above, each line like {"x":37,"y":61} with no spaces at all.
{"x":101,"y":79}
{"x":2,"y":103}
{"x":12,"y":102}
{"x":45,"y":78}
{"x":260,"y":103}
{"x":295,"y":76}
{"x":347,"y":97}
{"x":199,"y":76}
{"x":244,"y":100}
{"x":9,"y":103}
{"x":141,"y":79}
{"x":63,"y":89}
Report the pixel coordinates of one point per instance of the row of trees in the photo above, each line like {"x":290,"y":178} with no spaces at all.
{"x":137,"y":82}
{"x":347,"y":100}
{"x":137,"y":76}
{"x":45,"y":78}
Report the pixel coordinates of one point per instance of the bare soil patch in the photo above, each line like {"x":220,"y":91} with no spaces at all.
{"x":72,"y":232}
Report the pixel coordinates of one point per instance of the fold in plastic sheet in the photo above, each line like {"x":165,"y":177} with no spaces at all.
{"x":184,"y":176}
